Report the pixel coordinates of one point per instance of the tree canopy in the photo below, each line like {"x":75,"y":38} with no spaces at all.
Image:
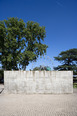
{"x":42,"y":68}
{"x":20,"y":43}
{"x":68,"y":59}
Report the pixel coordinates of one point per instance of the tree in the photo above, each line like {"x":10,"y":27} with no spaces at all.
{"x":20,"y":43}
{"x":68,"y":59}
{"x":47,"y":68}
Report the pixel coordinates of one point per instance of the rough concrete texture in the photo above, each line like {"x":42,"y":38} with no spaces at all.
{"x":38,"y":81}
{"x":38,"y":104}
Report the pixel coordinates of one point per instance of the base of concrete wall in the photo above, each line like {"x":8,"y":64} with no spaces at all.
{"x":31,"y":82}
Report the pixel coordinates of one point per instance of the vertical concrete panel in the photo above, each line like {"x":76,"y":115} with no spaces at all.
{"x":38,"y":81}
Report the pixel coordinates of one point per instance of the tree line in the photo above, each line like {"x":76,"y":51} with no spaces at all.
{"x":68,"y":60}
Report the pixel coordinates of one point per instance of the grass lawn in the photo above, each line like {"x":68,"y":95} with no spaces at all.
{"x":74,"y":85}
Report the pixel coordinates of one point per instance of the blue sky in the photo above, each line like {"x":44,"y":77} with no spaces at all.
{"x":58,"y":16}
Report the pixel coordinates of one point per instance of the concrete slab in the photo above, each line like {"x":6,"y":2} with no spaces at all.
{"x":31,"y":82}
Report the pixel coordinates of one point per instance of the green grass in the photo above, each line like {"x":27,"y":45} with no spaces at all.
{"x":74,"y":85}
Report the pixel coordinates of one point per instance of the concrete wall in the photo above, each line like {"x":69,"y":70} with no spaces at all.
{"x":38,"y":81}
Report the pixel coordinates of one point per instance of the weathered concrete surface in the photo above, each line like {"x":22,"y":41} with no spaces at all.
{"x":38,"y":81}
{"x":38,"y":104}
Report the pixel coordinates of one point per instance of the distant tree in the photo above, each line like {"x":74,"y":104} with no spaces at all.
{"x":36,"y":69}
{"x":20,"y":43}
{"x":47,"y":68}
{"x":68,"y":59}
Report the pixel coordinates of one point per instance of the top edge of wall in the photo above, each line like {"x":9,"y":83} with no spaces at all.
{"x":37,"y":71}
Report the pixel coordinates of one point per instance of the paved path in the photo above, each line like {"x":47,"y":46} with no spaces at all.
{"x":38,"y":105}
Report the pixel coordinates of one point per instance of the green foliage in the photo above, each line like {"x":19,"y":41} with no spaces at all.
{"x":1,"y":74}
{"x":41,"y":68}
{"x":75,"y":85}
{"x":36,"y":69}
{"x":20,"y":43}
{"x":68,"y":59}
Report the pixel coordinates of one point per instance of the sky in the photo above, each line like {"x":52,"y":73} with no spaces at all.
{"x":59,"y":18}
